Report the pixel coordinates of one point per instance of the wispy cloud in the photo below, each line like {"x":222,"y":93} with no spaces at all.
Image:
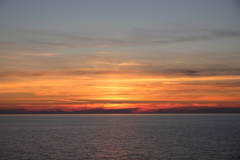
{"x":135,"y":37}
{"x":6,"y":43}
{"x":131,"y":64}
{"x":139,"y":69}
{"x":143,"y":36}
{"x":40,"y":54}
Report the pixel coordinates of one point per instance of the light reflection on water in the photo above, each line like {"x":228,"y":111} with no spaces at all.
{"x":135,"y":136}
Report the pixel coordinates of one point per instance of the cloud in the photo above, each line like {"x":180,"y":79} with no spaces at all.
{"x":130,"y":64}
{"x":133,"y":68}
{"x":122,"y":111}
{"x":6,"y":43}
{"x":107,"y":53}
{"x":201,"y":37}
{"x":199,"y":110}
{"x":67,"y":40}
{"x":6,"y":74}
{"x":39,"y":54}
{"x":111,"y":107}
{"x":194,"y":70}
{"x":13,"y":95}
{"x":144,"y":36}
{"x":50,"y":43}
{"x":135,"y":37}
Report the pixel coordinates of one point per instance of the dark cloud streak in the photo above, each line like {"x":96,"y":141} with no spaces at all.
{"x":154,"y":37}
{"x":190,"y":70}
{"x":136,"y":37}
{"x":122,"y":111}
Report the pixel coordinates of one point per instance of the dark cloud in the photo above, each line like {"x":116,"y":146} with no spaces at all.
{"x":199,"y":110}
{"x":4,"y":74}
{"x":66,"y":40}
{"x":66,"y":72}
{"x":136,"y":37}
{"x":143,"y":36}
{"x":122,"y":111}
{"x":193,"y":70}
{"x":59,"y":111}
{"x":177,"y":70}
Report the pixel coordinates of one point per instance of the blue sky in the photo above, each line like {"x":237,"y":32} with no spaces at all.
{"x":120,"y":22}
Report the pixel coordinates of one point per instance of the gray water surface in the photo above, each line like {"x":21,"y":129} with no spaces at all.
{"x":130,"y":136}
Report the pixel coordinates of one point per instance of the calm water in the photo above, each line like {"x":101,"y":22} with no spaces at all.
{"x":137,"y":136}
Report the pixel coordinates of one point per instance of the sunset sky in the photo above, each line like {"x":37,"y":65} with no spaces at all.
{"x":131,"y":56}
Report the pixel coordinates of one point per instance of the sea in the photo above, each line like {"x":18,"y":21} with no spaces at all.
{"x":120,"y":136}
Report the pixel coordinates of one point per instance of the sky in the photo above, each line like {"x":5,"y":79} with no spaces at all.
{"x":128,"y":56}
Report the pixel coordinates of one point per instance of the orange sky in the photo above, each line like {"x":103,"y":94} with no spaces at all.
{"x":99,"y":60}
{"x":76,"y":93}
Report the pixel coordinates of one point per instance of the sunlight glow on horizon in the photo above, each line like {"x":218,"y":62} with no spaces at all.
{"x":141,"y":57}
